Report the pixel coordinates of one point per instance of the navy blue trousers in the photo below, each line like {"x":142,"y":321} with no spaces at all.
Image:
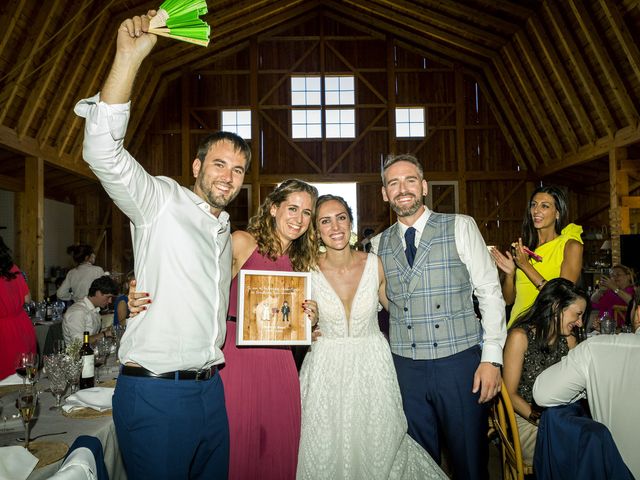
{"x":439,"y":406}
{"x":170,"y":429}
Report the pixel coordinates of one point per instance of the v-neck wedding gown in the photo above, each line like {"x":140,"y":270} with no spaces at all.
{"x":353,"y":425}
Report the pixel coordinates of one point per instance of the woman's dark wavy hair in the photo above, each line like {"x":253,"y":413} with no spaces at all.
{"x":262,"y":226}
{"x":529,"y":232}
{"x":545,"y":315}
{"x":6,"y":261}
{"x":80,"y":252}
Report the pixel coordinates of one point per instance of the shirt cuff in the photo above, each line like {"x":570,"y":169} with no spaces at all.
{"x":102,"y":117}
{"x":491,"y":353}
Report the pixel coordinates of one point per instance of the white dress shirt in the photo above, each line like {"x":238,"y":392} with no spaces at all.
{"x":182,"y":252}
{"x":484,"y":277}
{"x":77,"y":282}
{"x":82,"y":316}
{"x":607,"y":369}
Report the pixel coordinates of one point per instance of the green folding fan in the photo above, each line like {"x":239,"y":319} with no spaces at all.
{"x":180,"y":20}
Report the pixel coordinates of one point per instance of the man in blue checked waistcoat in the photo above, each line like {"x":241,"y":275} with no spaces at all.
{"x":447,"y":360}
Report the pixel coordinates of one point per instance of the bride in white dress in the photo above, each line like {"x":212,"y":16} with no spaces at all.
{"x":353,"y":425}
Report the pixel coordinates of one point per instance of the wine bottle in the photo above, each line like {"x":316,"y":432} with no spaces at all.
{"x":87,"y":378}
{"x":48,"y":310}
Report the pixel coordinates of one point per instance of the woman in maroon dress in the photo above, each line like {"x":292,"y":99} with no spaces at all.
{"x":262,"y":391}
{"x":17,"y":334}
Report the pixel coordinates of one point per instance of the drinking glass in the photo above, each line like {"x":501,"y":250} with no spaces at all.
{"x":57,"y":374}
{"x":100,"y":353}
{"x":73,"y":370}
{"x":27,"y":366}
{"x":27,"y":402}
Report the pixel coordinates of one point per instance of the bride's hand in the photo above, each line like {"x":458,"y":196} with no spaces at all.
{"x":138,"y":301}
{"x":310,"y":308}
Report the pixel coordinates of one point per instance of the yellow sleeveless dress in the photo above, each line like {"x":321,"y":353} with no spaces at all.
{"x":552,"y":254}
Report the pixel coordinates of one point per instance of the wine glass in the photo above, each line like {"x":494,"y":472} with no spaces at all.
{"x":26,"y":366}
{"x":27,"y":402}
{"x":100,"y":353}
{"x":57,"y":377}
{"x":73,"y":370}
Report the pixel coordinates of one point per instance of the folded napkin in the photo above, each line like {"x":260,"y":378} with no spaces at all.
{"x":97,"y":398}
{"x":14,"y":379}
{"x":16,"y":463}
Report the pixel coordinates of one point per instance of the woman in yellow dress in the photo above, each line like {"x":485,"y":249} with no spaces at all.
{"x":549,"y":248}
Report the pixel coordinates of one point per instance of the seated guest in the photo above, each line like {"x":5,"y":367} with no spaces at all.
{"x":120,"y":303}
{"x":540,"y":337}
{"x":84,"y":315}
{"x":606,"y":369}
{"x":616,"y":289}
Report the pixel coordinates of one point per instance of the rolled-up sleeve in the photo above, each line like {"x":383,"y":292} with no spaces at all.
{"x":565,"y":381}
{"x":486,"y":286}
{"x":136,"y":193}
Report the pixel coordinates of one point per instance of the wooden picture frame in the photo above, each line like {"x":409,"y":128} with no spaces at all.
{"x":270,"y":308}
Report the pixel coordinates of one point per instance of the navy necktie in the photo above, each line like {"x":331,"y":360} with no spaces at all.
{"x":410,"y":239}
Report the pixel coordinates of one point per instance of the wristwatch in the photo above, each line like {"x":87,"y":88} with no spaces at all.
{"x":496,"y":364}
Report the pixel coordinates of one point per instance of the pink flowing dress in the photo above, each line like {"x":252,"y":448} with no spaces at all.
{"x":17,"y":334}
{"x":262,"y":395}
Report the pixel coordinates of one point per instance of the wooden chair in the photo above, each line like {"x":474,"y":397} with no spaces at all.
{"x":504,"y":422}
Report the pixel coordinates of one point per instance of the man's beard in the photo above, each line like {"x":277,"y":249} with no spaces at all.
{"x":406,"y":211}
{"x":216,"y":201}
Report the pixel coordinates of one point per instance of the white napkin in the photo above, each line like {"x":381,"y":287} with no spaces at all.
{"x":97,"y":398}
{"x":16,"y":463}
{"x":14,"y":379}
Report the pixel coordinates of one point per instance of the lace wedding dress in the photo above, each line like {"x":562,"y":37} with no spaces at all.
{"x":353,"y":425}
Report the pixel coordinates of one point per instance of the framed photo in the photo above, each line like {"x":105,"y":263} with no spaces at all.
{"x":270,"y":308}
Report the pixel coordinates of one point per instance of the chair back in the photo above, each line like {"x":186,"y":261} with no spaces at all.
{"x":504,"y":420}
{"x":620,"y":314}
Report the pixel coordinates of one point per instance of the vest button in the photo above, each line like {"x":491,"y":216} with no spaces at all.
{"x":437,"y":306}
{"x":406,"y":309}
{"x":413,"y":345}
{"x":437,"y":325}
{"x":435,"y":344}
{"x":409,"y":327}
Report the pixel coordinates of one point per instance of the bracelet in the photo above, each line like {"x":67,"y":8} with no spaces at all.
{"x":616,"y":291}
{"x":542,"y":282}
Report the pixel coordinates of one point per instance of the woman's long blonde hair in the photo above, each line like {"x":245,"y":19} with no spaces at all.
{"x":303,"y":251}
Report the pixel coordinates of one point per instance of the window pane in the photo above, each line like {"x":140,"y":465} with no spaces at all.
{"x":402,"y":130}
{"x":314,"y":131}
{"x":402,"y":115}
{"x":416,"y":115}
{"x":314,"y":116}
{"x":332,"y":98}
{"x":298,"y":98}
{"x":347,"y":98}
{"x":333,"y":131}
{"x":228,"y":118}
{"x":332,"y":116}
{"x":332,"y":83}
{"x":244,"y":131}
{"x":299,"y":131}
{"x":244,"y":117}
{"x":298,"y":116}
{"x":348,"y":115}
{"x":313,"y":83}
{"x":348,"y":130}
{"x":313,"y":98}
{"x":346,"y":83}
{"x":416,"y":129}
{"x":298,"y":84}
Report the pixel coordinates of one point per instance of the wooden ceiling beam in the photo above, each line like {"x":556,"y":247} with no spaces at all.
{"x":12,"y":184}
{"x":522,"y":109}
{"x":445,"y":22}
{"x":626,"y":39}
{"x":547,"y":89}
{"x":418,"y":24}
{"x":563,"y":33}
{"x":534,"y":101}
{"x":70,"y":82}
{"x":137,"y":130}
{"x":479,"y":16}
{"x":40,"y":26}
{"x":12,"y":19}
{"x":509,"y":6}
{"x":610,"y":72}
{"x":559,"y":70}
{"x":36,"y":98}
{"x":355,"y":71}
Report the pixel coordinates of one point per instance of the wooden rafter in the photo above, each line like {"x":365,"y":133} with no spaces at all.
{"x":563,"y":32}
{"x":494,"y":90}
{"x":610,"y":71}
{"x":533,"y":100}
{"x":509,"y":6}
{"x":482,"y":18}
{"x":557,"y":66}
{"x":355,"y":71}
{"x":504,"y":200}
{"x":627,"y":42}
{"x":549,"y":93}
{"x":11,"y":24}
{"x":41,"y":25}
{"x":521,"y":107}
{"x":418,"y":24}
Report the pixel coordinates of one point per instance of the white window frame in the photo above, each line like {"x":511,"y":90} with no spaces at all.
{"x":411,"y":123}
{"x":235,"y":126}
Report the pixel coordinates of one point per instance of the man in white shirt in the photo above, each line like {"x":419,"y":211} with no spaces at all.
{"x":168,"y":406}
{"x":84,"y":315}
{"x":605,"y":369}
